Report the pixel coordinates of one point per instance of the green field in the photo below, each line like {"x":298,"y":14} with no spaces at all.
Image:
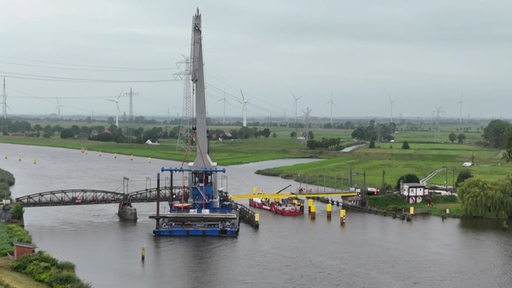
{"x":371,"y":167}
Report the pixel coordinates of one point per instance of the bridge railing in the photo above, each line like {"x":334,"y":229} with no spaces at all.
{"x":91,"y":196}
{"x":70,"y":197}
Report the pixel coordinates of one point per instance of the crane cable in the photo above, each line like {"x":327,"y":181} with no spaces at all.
{"x":204,"y":164}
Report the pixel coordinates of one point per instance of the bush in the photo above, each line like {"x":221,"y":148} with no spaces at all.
{"x":390,"y":202}
{"x":17,"y":211}
{"x":65,"y":279}
{"x":46,"y":269}
{"x":445,"y":199}
{"x":10,"y":233}
{"x":67,"y":266}
{"x":463,"y":175}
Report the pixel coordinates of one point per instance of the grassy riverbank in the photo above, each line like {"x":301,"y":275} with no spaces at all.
{"x":393,"y":203}
{"x":9,"y":278}
{"x":35,"y":270}
{"x":223,"y":152}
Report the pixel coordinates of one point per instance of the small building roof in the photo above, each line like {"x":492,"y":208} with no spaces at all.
{"x":26,"y":245}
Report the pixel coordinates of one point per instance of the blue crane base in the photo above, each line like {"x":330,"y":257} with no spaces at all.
{"x":192,"y":224}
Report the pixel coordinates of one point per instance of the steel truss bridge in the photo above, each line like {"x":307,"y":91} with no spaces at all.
{"x":91,"y":196}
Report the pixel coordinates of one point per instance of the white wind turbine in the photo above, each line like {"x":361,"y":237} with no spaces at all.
{"x":296,"y":100}
{"x":57,"y":108}
{"x":244,"y":109}
{"x":116,"y":100}
{"x":224,"y":100}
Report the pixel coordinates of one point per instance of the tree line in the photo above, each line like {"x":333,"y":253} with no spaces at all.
{"x":108,"y":133}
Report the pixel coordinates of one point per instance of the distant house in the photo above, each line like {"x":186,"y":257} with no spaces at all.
{"x":225,"y":136}
{"x":413,"y":192}
{"x":22,"y":249}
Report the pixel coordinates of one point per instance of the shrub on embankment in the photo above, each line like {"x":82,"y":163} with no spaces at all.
{"x":10,"y":233}
{"x":46,"y":269}
{"x":437,"y":207}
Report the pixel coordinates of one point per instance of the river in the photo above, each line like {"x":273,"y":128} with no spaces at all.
{"x":369,"y":251}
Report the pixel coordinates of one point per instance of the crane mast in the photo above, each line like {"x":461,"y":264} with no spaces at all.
{"x":202,"y":159}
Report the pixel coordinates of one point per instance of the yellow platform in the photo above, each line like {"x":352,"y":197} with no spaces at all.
{"x":289,"y":195}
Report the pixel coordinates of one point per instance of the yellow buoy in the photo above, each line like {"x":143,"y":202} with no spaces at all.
{"x":312,"y":213}
{"x":328,"y":208}
{"x":342,"y":216}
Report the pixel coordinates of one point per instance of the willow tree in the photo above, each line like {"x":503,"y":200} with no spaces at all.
{"x":485,"y":198}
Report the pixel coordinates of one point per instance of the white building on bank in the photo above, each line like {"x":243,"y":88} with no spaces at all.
{"x":413,"y":192}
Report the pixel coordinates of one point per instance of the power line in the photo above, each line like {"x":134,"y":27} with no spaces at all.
{"x":68,"y":66}
{"x":71,"y":79}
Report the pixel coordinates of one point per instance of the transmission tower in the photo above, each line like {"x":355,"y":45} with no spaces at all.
{"x":187,"y":114}
{"x":438,"y":111}
{"x":306,"y":123}
{"x":130,"y":96}
{"x":331,"y":104}
{"x":391,"y":102}
{"x":4,"y":102}
{"x":296,"y":100}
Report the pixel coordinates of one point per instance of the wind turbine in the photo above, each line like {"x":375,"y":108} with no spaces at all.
{"x":391,"y":101}
{"x":116,"y":100}
{"x":244,"y":109}
{"x":296,"y":99}
{"x":58,"y":107}
{"x":460,"y":111}
{"x":224,"y":108}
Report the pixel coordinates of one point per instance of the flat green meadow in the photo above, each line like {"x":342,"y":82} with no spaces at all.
{"x":375,"y":167}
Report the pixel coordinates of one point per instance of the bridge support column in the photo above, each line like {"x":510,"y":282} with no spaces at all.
{"x":126,"y":211}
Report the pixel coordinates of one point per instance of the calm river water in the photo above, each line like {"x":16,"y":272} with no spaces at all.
{"x":369,"y":251}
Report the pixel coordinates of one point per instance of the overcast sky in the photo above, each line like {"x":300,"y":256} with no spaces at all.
{"x":362,"y":58}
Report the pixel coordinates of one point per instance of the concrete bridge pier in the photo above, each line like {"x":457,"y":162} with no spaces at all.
{"x":126,"y":211}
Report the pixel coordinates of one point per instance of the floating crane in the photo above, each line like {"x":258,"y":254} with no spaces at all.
{"x":201,"y":208}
